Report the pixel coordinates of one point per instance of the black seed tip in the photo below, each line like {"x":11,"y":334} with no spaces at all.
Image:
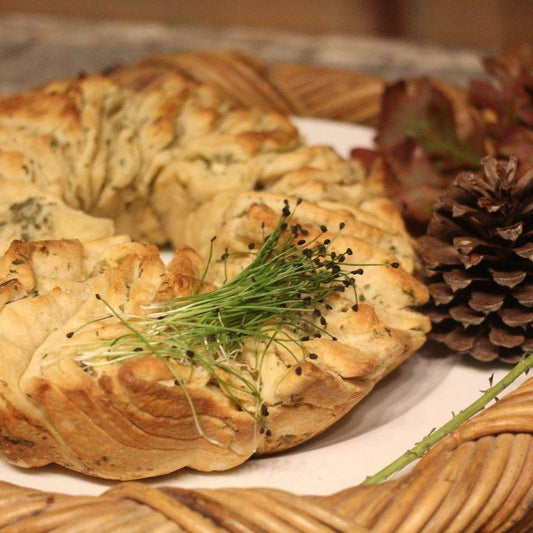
{"x":176,"y":382}
{"x":349,"y":251}
{"x":305,"y":338}
{"x":138,"y":349}
{"x":313,"y":356}
{"x":189,"y":353}
{"x":327,"y":241}
{"x":283,"y":227}
{"x":355,"y":307}
{"x":299,"y":201}
{"x":214,"y":238}
{"x":357,"y":271}
{"x":251,"y":245}
{"x":285,"y":211}
{"x":268,"y":433}
{"x":323,"y":228}
{"x":300,"y":242}
{"x":264,"y":410}
{"x":69,"y":335}
{"x":395,"y":264}
{"x":298,"y":370}
{"x":342,"y":225}
{"x":261,"y":430}
{"x":97,"y":296}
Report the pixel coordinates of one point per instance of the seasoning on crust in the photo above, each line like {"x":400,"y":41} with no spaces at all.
{"x":102,"y":148}
{"x":131,"y":419}
{"x":174,"y":162}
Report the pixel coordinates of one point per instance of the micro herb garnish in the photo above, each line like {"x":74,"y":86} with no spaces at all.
{"x":277,"y":299}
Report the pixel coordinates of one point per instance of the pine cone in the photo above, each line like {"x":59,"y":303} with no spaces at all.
{"x":478,"y":258}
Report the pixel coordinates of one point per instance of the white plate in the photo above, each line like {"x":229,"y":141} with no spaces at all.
{"x":403,"y":408}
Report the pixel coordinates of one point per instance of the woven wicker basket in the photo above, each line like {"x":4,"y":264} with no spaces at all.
{"x":302,"y":90}
{"x":480,"y":478}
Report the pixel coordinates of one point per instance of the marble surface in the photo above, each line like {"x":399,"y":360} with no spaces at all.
{"x":34,"y":49}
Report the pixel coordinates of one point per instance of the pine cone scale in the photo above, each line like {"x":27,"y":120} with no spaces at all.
{"x":457,"y":339}
{"x":437,"y":315}
{"x":524,"y":295}
{"x":460,"y":210}
{"x":443,"y":226}
{"x":486,"y":302}
{"x":466,"y":316}
{"x":525,"y":251}
{"x":436,"y":254}
{"x":471,"y":260}
{"x":516,"y":317}
{"x":503,"y":337}
{"x":511,"y":233}
{"x":507,"y":279}
{"x":483,"y":350}
{"x":458,"y":279}
{"x":441,"y":293}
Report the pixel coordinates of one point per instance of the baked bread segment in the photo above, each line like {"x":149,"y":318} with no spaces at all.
{"x":125,"y":421}
{"x":133,"y":419}
{"x":166,"y":160}
{"x":27,"y":212}
{"x":99,"y":147}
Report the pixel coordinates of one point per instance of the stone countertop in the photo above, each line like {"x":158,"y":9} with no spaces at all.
{"x":36,"y":48}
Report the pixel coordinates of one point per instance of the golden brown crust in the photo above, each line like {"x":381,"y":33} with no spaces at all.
{"x":99,"y":147}
{"x":131,"y":420}
{"x":169,"y":160}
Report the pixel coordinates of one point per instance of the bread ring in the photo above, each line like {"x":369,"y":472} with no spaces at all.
{"x":174,"y":162}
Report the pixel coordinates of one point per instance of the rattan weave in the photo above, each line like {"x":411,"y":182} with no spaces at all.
{"x":478,"y":479}
{"x":304,"y":90}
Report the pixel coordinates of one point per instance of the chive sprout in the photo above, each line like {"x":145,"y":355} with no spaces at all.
{"x":278,"y":298}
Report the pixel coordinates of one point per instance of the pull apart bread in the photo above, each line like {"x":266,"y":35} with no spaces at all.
{"x":86,"y":159}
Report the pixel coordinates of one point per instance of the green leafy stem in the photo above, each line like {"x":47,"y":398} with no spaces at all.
{"x":422,"y":447}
